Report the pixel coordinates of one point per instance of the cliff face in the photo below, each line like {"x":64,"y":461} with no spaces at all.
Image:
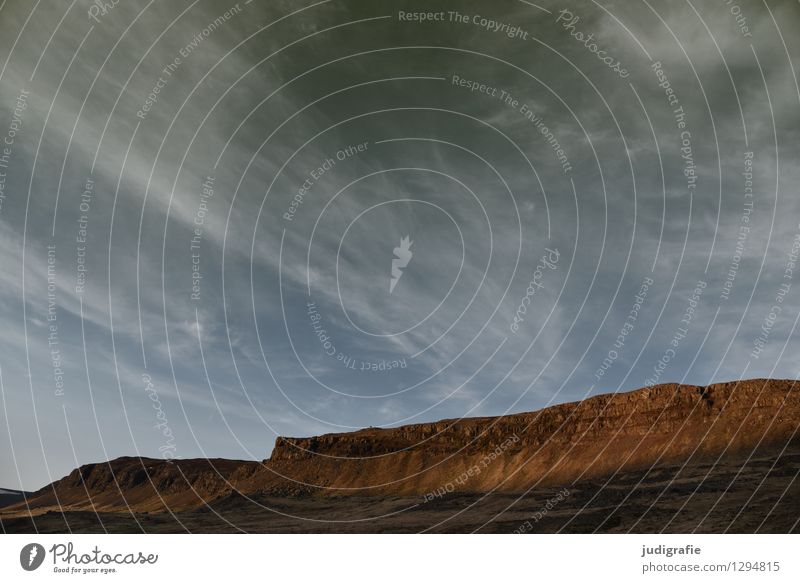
{"x":664,"y":424}
{"x":652,"y":427}
{"x":659,"y":410}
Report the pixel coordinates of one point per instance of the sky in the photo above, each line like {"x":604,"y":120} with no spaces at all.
{"x":225,"y":222}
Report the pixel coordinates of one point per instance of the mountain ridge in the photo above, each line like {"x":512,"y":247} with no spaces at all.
{"x":600,"y":436}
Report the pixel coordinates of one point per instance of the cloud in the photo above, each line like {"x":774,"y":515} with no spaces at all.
{"x":261,"y":103}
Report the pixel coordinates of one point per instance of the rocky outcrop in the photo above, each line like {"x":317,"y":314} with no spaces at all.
{"x":663,"y":424}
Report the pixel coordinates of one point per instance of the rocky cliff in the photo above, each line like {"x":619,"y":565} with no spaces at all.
{"x":664,"y":424}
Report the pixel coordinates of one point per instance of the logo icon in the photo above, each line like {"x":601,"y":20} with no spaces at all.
{"x":402,"y":255}
{"x":31,"y":556}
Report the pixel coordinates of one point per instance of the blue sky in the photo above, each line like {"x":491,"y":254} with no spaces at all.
{"x":158,"y":149}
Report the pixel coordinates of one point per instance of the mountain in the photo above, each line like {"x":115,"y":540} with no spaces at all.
{"x":136,"y":484}
{"x":655,"y":426}
{"x":638,"y":432}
